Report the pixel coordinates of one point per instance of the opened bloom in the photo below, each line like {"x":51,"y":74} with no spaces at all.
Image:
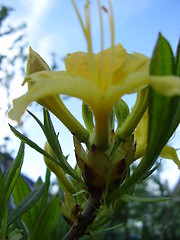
{"x":98,"y":79}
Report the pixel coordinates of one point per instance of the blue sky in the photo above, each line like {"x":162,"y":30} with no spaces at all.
{"x":53,"y":27}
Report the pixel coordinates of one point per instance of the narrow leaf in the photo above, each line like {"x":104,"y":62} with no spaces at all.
{"x":129,"y":198}
{"x":54,"y":143}
{"x":2,"y":194}
{"x":37,"y":120}
{"x":43,"y":201}
{"x":13,"y":172}
{"x":163,"y":116}
{"x":21,"y":191}
{"x":47,"y":220}
{"x":26,"y":204}
{"x":32,"y":144}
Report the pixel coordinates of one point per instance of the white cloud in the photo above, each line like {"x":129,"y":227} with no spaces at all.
{"x":36,"y":12}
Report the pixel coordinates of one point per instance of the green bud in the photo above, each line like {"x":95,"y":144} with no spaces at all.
{"x":122,"y":111}
{"x":35,"y":63}
{"x":87,"y":117}
{"x":70,"y":209}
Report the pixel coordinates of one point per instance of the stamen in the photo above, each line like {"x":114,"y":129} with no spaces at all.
{"x":102,"y":46}
{"x":87,"y":33}
{"x":79,"y":17}
{"x":91,"y":59}
{"x":111,"y":22}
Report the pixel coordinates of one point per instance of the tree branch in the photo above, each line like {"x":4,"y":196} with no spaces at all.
{"x":87,"y":217}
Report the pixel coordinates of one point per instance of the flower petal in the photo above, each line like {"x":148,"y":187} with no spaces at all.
{"x":49,"y":83}
{"x":77,"y":64}
{"x":133,"y":83}
{"x":170,"y":153}
{"x":118,"y":59}
{"x":167,"y":85}
{"x":132,"y":63}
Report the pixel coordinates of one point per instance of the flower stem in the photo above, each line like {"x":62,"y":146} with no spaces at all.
{"x":101,"y":135}
{"x":87,"y":217}
{"x":135,"y":116}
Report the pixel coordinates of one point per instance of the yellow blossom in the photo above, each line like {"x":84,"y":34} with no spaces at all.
{"x":98,"y":79}
{"x":141,"y":135}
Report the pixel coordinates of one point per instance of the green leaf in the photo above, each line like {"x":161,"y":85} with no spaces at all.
{"x":52,"y":138}
{"x":47,"y":221}
{"x":15,"y":235}
{"x":43,"y":201}
{"x":129,"y":198}
{"x":12,"y":173}
{"x":37,"y":120}
{"x":2,"y":195}
{"x":164,"y":116}
{"x":26,"y":204}
{"x":54,"y":143}
{"x":3,"y":225}
{"x":21,"y":191}
{"x":38,"y":182}
{"x":32,"y":144}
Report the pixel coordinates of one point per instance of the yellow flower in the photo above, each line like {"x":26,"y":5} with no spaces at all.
{"x":141,"y":135}
{"x":98,"y":79}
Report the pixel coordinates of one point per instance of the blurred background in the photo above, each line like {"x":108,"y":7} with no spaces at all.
{"x":52,"y":29}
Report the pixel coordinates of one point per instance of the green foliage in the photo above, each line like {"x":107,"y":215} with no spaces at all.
{"x":46,"y":222}
{"x":164,"y":116}
{"x":35,"y":212}
{"x":7,"y":184}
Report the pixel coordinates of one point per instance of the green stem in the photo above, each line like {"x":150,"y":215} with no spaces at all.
{"x":136,"y":114}
{"x":64,"y":182}
{"x":101,"y":136}
{"x":87,"y":217}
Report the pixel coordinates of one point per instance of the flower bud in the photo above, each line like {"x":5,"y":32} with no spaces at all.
{"x":70,"y":209}
{"x":122,"y":111}
{"x":35,"y":63}
{"x":100,"y":168}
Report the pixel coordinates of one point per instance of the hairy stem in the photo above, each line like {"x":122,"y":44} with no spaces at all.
{"x":87,"y":217}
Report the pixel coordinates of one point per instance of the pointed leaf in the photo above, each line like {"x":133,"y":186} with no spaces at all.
{"x":164,"y":116}
{"x":13,"y":172}
{"x":129,"y":198}
{"x":21,"y":191}
{"x":2,"y":194}
{"x":27,"y":203}
{"x":46,"y":184}
{"x":47,"y":220}
{"x":162,"y":109}
{"x":32,"y":144}
{"x":54,"y":143}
